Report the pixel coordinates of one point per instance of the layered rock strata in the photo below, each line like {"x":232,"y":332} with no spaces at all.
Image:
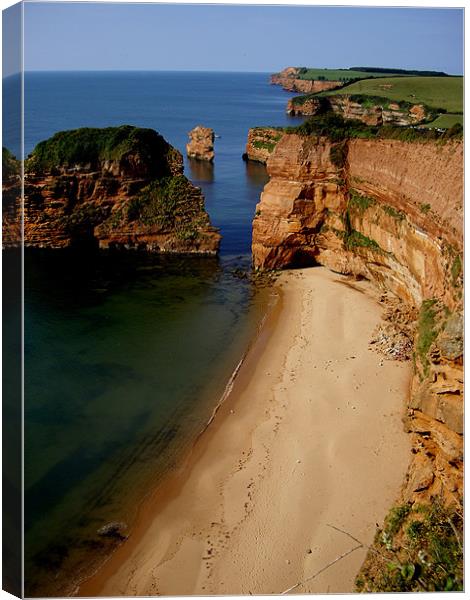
{"x":389,"y":211}
{"x":370,"y":112}
{"x":289,"y":79}
{"x":118,"y":187}
{"x":201,"y":143}
{"x":261,"y":143}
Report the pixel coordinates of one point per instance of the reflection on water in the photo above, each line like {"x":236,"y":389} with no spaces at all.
{"x":256,"y":174}
{"x":200,"y":171}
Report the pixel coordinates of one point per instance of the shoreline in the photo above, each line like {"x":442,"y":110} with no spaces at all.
{"x":250,"y":510}
{"x":169,"y":485}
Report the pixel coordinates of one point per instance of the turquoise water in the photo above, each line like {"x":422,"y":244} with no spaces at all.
{"x":126,"y":355}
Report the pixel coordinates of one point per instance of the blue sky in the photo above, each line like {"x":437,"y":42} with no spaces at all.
{"x":61,"y":36}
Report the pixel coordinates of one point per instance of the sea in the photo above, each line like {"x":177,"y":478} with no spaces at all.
{"x":126,"y":355}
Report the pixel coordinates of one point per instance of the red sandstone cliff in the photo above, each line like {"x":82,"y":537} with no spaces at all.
{"x":125,"y":190}
{"x":289,"y":79}
{"x":261,"y":143}
{"x":389,"y":211}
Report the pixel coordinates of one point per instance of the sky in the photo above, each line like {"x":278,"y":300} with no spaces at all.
{"x":87,"y":36}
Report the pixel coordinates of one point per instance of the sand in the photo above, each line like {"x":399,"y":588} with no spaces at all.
{"x":310,"y":437}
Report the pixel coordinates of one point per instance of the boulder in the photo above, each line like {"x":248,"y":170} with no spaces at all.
{"x":115,"y":529}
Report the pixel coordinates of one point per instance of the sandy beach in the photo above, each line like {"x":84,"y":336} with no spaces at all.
{"x":310,"y":437}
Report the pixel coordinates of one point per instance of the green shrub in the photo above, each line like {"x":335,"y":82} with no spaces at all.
{"x":414,"y":531}
{"x":369,"y":101}
{"x":357,"y":239}
{"x":10,"y":165}
{"x":456,"y":269}
{"x":420,"y":550}
{"x":334,"y":127}
{"x":269,"y":146}
{"x":396,"y":517}
{"x":393,"y":212}
{"x":359,"y":201}
{"x":425,"y":208}
{"x":426,"y":332}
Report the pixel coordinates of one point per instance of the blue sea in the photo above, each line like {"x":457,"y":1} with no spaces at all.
{"x":127,"y":355}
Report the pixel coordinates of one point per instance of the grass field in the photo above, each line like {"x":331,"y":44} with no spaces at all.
{"x":339,"y":74}
{"x":436,"y":92}
{"x":445,"y":121}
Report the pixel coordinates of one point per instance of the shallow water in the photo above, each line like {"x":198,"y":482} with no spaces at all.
{"x":126,"y":355}
{"x":125,"y":358}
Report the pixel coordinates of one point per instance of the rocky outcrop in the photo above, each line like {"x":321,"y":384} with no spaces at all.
{"x":307,"y":106}
{"x":371,"y":112}
{"x":287,"y":73}
{"x":261,"y":143}
{"x":201,"y":143}
{"x":289,"y":79}
{"x":390,"y":211}
{"x":120,"y":187}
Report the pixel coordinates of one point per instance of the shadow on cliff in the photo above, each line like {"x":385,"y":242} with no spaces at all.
{"x":301,"y":259}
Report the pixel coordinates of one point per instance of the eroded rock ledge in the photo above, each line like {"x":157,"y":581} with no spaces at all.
{"x":390,"y":211}
{"x":119,"y":187}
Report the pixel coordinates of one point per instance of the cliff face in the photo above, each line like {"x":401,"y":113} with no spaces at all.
{"x":289,"y":79}
{"x":307,"y":106}
{"x":11,"y":199}
{"x":370,"y":112}
{"x":305,"y":86}
{"x":389,"y":211}
{"x":117,"y":187}
{"x":261,"y":143}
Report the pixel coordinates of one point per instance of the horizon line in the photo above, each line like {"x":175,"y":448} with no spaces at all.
{"x":137,"y":70}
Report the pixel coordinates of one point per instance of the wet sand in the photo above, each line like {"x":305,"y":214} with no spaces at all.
{"x":310,"y":437}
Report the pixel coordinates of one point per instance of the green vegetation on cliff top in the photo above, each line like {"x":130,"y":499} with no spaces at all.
{"x":266,"y":145}
{"x":336,"y":128}
{"x":361,"y":73}
{"x":10,"y":164}
{"x":91,"y":145}
{"x":436,"y":92}
{"x":445,"y":121}
{"x":338,"y":74}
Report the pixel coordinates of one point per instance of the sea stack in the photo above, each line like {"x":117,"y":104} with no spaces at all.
{"x":113,"y":188}
{"x":201,"y":143}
